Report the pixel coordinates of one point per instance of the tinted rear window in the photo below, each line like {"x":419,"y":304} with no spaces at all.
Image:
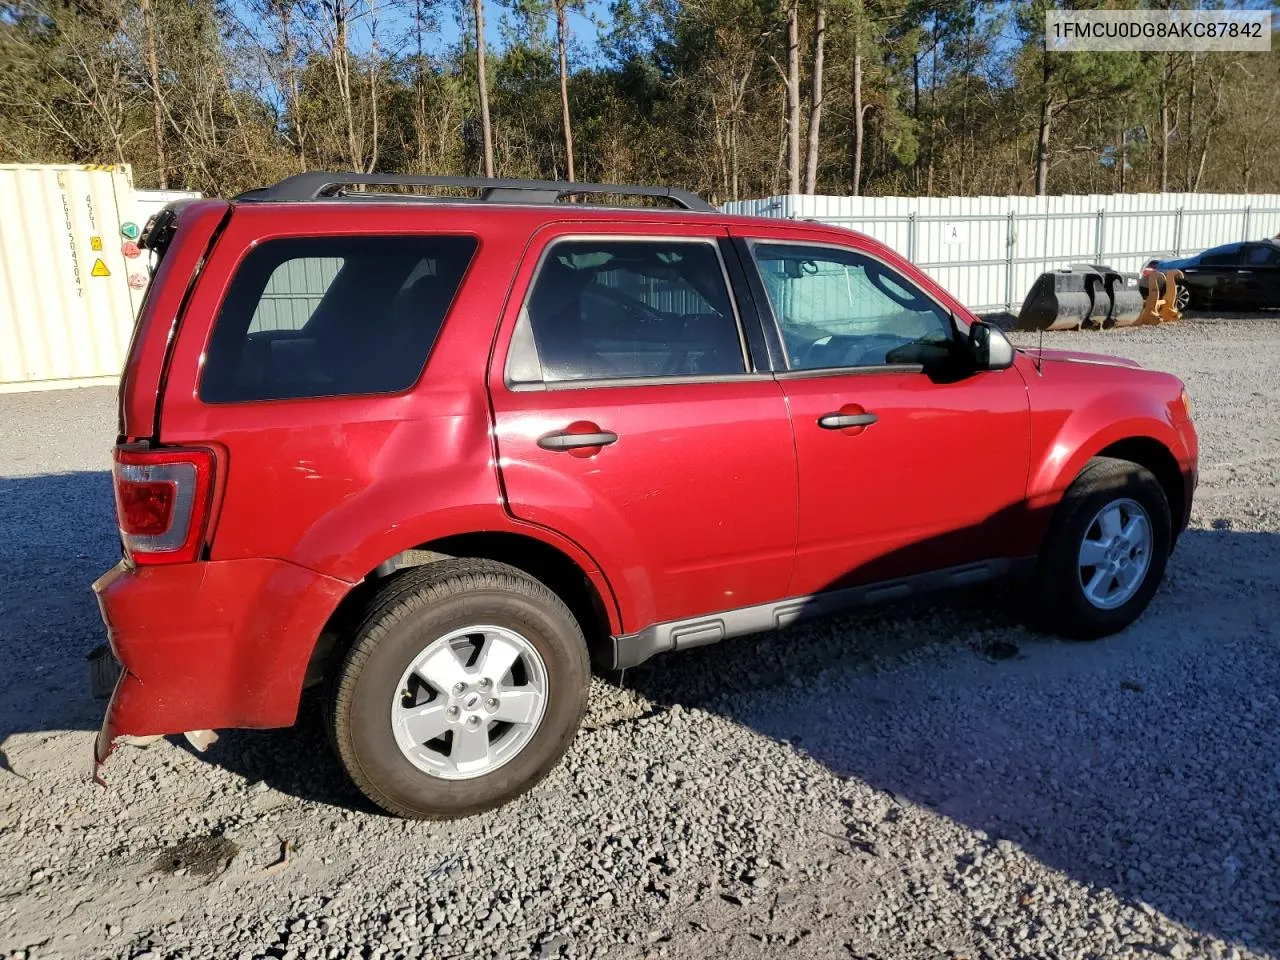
{"x":332,"y":316}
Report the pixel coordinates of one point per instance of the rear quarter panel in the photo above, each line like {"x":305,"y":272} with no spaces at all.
{"x":340,"y":484}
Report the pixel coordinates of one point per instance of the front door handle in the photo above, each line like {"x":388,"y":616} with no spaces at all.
{"x":564,"y":440}
{"x":841,"y":421}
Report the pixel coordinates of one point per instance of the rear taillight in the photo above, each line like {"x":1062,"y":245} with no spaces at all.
{"x":162,"y":502}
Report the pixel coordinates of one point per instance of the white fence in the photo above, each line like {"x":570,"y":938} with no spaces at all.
{"x":989,"y":250}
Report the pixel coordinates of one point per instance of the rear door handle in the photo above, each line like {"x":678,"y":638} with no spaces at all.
{"x":564,"y":440}
{"x":840,"y":421}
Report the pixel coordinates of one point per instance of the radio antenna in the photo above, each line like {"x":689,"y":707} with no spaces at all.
{"x":1040,"y":354}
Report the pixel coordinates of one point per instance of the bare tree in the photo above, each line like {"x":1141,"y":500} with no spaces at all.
{"x":157,"y":107}
{"x":337,"y":29}
{"x":859,"y":113}
{"x":729,"y":84}
{"x":815,"y":99}
{"x":562,"y":40}
{"x":420,"y":112}
{"x":793,"y":96}
{"x":477,"y":7}
{"x":1191,"y":126}
{"x":293,"y":100}
{"x":1216,"y":80}
{"x":375,"y":69}
{"x":1167,"y":74}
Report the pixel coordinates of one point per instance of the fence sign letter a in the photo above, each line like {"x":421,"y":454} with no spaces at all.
{"x":955,"y":233}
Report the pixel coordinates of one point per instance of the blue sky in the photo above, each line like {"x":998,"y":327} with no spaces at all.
{"x":449,"y":20}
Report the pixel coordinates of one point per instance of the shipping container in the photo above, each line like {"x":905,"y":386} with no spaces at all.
{"x":71,"y":275}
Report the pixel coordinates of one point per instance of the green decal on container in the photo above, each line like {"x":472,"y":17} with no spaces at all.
{"x":129,"y":230}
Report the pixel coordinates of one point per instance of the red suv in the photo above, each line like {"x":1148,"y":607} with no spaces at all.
{"x":437,"y":453}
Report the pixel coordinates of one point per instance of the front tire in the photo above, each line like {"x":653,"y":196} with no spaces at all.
{"x":1106,"y":552}
{"x":464,"y":686}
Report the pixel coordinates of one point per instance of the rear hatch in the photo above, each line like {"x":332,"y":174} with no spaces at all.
{"x":176,"y":240}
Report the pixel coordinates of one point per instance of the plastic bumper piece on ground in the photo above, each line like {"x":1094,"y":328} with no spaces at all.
{"x":209,"y":645}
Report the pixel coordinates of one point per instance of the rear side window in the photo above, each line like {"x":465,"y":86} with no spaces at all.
{"x":610,"y":309}
{"x":332,"y":316}
{"x":1221,"y":256}
{"x":1262,"y":255}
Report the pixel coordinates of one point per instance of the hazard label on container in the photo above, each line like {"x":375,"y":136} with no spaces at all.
{"x":99,"y":269}
{"x":95,"y":243}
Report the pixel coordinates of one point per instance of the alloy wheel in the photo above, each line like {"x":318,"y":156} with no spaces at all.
{"x":469,"y":702}
{"x":1115,"y":554}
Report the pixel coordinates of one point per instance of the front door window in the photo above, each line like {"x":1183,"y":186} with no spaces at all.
{"x":838,"y":308}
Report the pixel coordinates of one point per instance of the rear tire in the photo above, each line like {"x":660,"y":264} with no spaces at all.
{"x":464,"y":686}
{"x":1106,"y":552}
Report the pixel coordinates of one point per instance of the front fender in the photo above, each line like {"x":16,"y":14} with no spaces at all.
{"x":1078,"y":441}
{"x":1065,"y":439}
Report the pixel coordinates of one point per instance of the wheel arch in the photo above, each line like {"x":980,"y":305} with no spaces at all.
{"x":583,"y":588}
{"x":1142,"y":433}
{"x":1159,"y":459}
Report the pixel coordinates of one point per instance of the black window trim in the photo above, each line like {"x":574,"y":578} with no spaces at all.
{"x":520,"y":342}
{"x":257,"y":245}
{"x":770,"y":319}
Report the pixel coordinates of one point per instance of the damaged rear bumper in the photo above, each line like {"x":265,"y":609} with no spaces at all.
{"x":209,"y":645}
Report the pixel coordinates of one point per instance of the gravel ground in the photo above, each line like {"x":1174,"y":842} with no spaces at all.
{"x":925,"y":783}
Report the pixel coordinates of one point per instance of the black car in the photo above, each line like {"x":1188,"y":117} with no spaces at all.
{"x":1243,"y":276}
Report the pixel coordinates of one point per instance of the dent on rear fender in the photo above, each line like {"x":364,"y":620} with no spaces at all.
{"x":598,"y":530}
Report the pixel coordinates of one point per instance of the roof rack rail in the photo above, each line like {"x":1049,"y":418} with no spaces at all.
{"x":319,"y":185}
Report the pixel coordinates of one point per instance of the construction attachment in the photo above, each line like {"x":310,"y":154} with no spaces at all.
{"x":1081,"y":295}
{"x":1161,"y":303}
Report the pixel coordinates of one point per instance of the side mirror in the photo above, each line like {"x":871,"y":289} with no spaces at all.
{"x":988,"y":347}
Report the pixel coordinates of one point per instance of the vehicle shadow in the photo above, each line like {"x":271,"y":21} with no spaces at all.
{"x":55,"y":539}
{"x":57,"y":535}
{"x":1131,"y":764}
